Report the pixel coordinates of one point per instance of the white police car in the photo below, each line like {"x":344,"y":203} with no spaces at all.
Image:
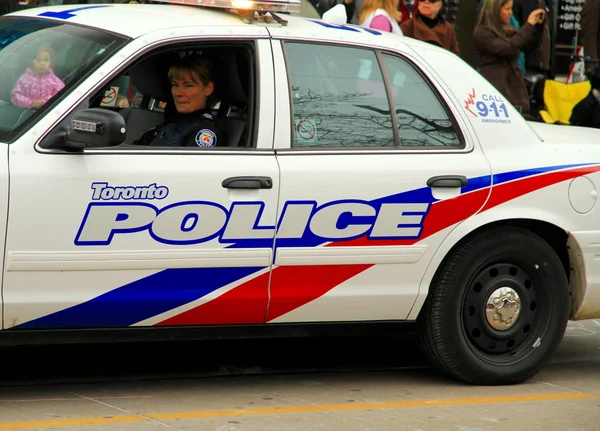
{"x":367,"y":178}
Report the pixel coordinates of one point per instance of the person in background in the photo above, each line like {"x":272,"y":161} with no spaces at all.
{"x":404,"y":11}
{"x":381,"y":15}
{"x":499,"y":45}
{"x":513,"y":22}
{"x":590,"y":29}
{"x":587,"y":112}
{"x":323,"y":6}
{"x":429,"y":26}
{"x":538,"y":59}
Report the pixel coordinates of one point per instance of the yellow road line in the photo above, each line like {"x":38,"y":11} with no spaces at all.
{"x":368,"y":406}
{"x":63,"y":423}
{"x":59,"y":423}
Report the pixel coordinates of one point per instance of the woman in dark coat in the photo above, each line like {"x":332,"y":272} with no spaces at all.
{"x":499,"y":45}
{"x":427,"y":25}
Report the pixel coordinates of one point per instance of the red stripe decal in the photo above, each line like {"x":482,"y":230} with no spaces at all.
{"x":244,"y":304}
{"x":505,"y":192}
{"x":295,"y":286}
{"x":441,"y":215}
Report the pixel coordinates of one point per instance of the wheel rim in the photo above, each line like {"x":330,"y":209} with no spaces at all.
{"x":504,"y":312}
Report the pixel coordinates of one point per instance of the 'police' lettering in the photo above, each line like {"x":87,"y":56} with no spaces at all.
{"x":103,"y":220}
{"x":196,"y":222}
{"x":243,"y":223}
{"x":393,"y":222}
{"x":188,"y":223}
{"x":326,"y":222}
{"x":294,"y":219}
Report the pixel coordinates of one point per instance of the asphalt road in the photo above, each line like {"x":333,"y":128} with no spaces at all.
{"x":328,"y":384}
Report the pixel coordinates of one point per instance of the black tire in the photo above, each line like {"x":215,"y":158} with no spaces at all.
{"x":454,"y":332}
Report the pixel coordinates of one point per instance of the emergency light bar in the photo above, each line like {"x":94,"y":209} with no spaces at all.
{"x":242,"y":5}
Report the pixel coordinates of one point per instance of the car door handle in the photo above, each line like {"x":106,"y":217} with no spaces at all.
{"x":248,"y":183}
{"x":447,"y":181}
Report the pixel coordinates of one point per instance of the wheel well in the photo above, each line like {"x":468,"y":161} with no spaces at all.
{"x":552,"y":234}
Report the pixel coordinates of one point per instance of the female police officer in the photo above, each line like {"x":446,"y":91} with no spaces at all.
{"x":192,"y":82}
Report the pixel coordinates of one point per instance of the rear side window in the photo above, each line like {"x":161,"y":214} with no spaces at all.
{"x":423,"y":120}
{"x":347,"y":97}
{"x":339,"y":97}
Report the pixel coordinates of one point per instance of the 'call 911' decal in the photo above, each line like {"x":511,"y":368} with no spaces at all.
{"x":127,"y":210}
{"x":489,"y":108}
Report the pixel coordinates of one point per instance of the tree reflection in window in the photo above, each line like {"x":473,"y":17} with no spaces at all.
{"x":339,"y":98}
{"x":422,"y":119}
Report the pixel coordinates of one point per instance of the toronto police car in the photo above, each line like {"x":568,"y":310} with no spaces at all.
{"x":366,"y":179}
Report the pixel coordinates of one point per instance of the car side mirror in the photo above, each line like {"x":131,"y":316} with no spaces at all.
{"x":89,"y":128}
{"x":96,"y":128}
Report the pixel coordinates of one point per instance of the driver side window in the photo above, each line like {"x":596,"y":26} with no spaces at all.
{"x":41,"y":61}
{"x":184,"y":98}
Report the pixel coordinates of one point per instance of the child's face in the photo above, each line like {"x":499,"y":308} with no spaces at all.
{"x":41,"y":62}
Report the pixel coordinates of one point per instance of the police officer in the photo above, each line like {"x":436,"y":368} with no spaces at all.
{"x":192,"y":82}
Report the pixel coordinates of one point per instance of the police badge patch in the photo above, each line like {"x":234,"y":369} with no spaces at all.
{"x":206,"y":138}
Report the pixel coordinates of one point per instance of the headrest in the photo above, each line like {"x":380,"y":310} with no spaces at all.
{"x":229,"y":85}
{"x":150,"y":77}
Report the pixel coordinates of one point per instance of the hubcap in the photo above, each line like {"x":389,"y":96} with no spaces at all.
{"x":502,"y":308}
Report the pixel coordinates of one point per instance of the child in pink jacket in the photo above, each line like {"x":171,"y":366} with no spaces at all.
{"x":38,"y":83}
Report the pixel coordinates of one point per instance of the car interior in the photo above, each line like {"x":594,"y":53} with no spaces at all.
{"x":151,"y":104}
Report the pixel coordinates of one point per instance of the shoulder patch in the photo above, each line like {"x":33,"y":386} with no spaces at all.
{"x":206,"y":138}
{"x":209,"y":116}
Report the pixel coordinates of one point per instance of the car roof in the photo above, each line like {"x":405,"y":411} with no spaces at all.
{"x":135,"y":20}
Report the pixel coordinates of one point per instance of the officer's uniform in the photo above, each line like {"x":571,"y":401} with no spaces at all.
{"x":197,"y":129}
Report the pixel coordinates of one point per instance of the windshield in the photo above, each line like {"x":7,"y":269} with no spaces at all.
{"x":40,"y":61}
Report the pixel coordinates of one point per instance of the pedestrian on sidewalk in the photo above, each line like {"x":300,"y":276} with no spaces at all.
{"x":381,"y":15}
{"x":590,"y":29}
{"x":499,"y":45}
{"x":428,"y":25}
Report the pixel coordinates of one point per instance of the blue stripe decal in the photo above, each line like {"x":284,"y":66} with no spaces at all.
{"x":172,"y":288}
{"x":517,"y":175}
{"x":142,"y":299}
{"x":477,"y":183}
{"x":421,"y":195}
{"x":66,"y":14}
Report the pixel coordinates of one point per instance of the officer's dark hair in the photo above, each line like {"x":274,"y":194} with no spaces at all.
{"x":197,"y":67}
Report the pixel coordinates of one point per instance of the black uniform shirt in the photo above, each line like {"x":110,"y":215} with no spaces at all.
{"x":197,"y":129}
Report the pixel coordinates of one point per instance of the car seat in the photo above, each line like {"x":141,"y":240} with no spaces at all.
{"x":149,"y":77}
{"x":232,"y":112}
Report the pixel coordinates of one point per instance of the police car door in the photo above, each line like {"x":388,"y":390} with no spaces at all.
{"x":363,"y":209}
{"x":140,"y":236}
